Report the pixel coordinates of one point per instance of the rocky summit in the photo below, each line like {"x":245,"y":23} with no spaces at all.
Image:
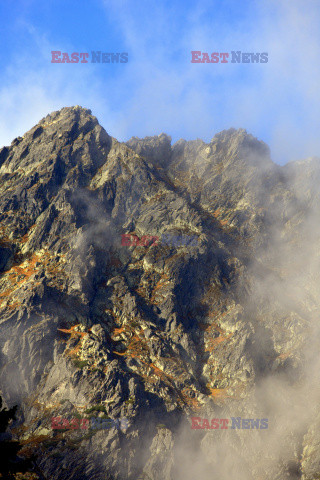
{"x":166,"y":360}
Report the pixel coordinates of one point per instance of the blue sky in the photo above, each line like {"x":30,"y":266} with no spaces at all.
{"x":159,"y":89}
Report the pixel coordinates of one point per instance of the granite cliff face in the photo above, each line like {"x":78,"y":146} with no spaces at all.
{"x":226,"y":327}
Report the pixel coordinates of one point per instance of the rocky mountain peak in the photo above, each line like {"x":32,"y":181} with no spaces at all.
{"x":144,"y":285}
{"x":67,"y":133}
{"x":239,"y":144}
{"x":156,"y":149}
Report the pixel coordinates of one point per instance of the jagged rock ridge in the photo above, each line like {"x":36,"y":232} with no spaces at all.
{"x":154,"y":334}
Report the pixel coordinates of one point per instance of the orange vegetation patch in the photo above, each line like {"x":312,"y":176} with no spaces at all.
{"x":73,"y":332}
{"x":216,"y":214}
{"x":164,"y":279}
{"x":141,"y":291}
{"x":75,"y":350}
{"x":224,"y":222}
{"x":138,"y":348}
{"x":187,"y":395}
{"x":219,"y":392}
{"x":15,"y":277}
{"x":285,"y":355}
{"x":216,"y":326}
{"x":6,"y":293}
{"x":25,"y":237}
{"x":210,"y":330}
{"x":212,"y":343}
{"x":215,"y":314}
{"x":160,"y":373}
{"x":25,"y":270}
{"x":14,"y":305}
{"x":117,"y":331}
{"x":34,"y":442}
{"x":164,"y":377}
{"x":204,"y":327}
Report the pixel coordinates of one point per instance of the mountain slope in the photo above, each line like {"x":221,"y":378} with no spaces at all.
{"x":224,"y":326}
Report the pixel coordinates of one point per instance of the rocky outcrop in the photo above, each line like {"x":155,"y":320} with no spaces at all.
{"x":223,"y":327}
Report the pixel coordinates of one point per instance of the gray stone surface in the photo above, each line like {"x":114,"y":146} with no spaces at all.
{"x":222,"y":328}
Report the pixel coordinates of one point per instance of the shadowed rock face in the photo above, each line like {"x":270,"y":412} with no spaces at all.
{"x":224,"y":328}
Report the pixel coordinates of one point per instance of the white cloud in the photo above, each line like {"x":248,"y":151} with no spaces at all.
{"x":279,"y":100}
{"x":160,"y":90}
